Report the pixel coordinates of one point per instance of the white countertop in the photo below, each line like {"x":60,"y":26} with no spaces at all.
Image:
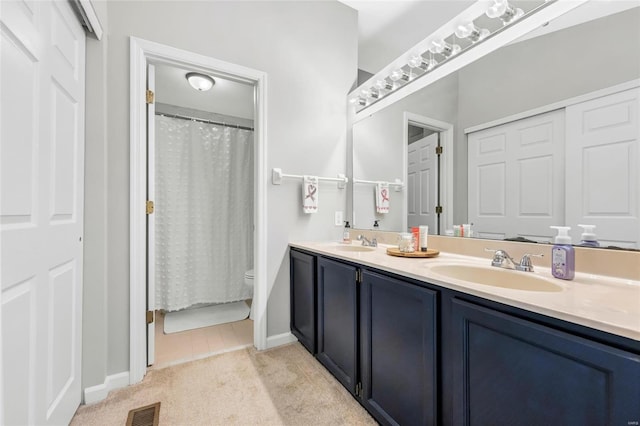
{"x":600,"y":302}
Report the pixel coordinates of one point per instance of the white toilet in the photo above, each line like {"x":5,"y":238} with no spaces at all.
{"x":248,"y":280}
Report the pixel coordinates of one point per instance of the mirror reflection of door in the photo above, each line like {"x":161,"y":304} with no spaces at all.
{"x":422,"y":177}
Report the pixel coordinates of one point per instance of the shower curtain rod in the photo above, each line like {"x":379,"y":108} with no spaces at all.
{"x":202,"y":120}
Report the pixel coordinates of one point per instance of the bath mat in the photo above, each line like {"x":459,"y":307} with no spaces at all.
{"x":189,"y":319}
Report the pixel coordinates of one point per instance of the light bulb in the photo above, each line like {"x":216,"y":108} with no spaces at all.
{"x":419,"y":62}
{"x":384,"y":84}
{"x":399,"y":74}
{"x":359,"y":101}
{"x":444,"y":48}
{"x":374,"y":93}
{"x":470,"y":31}
{"x":503,"y":10}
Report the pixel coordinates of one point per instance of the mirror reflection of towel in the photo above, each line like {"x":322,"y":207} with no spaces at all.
{"x":382,"y":197}
{"x":310,"y":194}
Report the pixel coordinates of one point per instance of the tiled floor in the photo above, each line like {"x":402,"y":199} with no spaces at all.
{"x":185,"y":346}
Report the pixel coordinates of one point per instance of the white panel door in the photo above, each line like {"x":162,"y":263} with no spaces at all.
{"x":603,"y":156}
{"x":422,"y":183}
{"x":516,"y":178}
{"x":41,"y":210}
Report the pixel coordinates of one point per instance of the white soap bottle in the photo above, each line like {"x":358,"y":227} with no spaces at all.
{"x":588,"y":238}
{"x":563,"y":257}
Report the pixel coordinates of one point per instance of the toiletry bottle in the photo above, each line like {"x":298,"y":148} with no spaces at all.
{"x":374,"y":235}
{"x":424,"y":232}
{"x":346,"y":234}
{"x":416,"y":238}
{"x":588,"y":238}
{"x":563,"y":259}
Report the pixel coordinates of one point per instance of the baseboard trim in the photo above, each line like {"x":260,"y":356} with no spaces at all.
{"x":97,"y":393}
{"x":280,"y":339}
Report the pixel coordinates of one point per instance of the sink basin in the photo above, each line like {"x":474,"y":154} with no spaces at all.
{"x":354,"y":248}
{"x":496,"y":277}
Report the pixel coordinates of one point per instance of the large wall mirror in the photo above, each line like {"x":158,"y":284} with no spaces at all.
{"x":543,"y":131}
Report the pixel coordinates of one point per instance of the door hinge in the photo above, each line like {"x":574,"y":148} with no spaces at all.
{"x":359,"y":389}
{"x":358,"y":276}
{"x":149,"y":317}
{"x":150,"y":207}
{"x":438,"y":209}
{"x":439,"y":150}
{"x":149,"y":96}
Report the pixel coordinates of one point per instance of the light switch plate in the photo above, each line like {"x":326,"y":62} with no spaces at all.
{"x":338,"y":218}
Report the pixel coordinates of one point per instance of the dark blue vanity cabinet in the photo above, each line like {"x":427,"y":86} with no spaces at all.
{"x":511,"y":371}
{"x":414,"y":353}
{"x":302,"y":284}
{"x":398,"y":350}
{"x":338,"y":320}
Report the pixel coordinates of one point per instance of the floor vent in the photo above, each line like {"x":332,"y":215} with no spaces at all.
{"x":144,"y":416}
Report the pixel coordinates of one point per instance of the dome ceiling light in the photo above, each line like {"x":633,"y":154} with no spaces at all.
{"x":200,"y":82}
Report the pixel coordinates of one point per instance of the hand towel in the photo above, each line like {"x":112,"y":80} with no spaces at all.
{"x":382,"y":197}
{"x":310,"y":194}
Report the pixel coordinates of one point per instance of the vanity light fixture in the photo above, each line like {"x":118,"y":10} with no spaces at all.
{"x":470,"y":31}
{"x":401,"y":73}
{"x":503,"y":10}
{"x":201,"y":82}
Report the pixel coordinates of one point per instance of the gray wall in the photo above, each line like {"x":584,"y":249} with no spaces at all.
{"x":308,"y":50}
{"x":94,"y":324}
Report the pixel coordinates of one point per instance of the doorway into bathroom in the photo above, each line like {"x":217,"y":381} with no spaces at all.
{"x":199,"y":129}
{"x":200,"y":238}
{"x":427,"y":140}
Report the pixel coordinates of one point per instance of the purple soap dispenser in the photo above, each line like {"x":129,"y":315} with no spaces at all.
{"x":563,"y":257}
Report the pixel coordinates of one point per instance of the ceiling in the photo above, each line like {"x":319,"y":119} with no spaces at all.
{"x":226,"y":97}
{"x":388,"y":28}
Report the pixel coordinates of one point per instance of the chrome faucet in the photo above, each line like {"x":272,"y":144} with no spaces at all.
{"x":366,"y":242}
{"x":501,"y":259}
{"x":525,"y":263}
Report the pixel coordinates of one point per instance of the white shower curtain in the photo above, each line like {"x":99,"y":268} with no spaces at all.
{"x":204,"y":213}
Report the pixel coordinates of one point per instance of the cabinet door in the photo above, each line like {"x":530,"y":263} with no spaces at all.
{"x":398,"y":350}
{"x":512,"y":371}
{"x":303,"y":298}
{"x":337,"y":320}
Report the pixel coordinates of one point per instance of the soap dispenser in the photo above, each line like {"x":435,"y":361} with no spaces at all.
{"x":346,"y":234}
{"x":588,"y":238}
{"x":563,"y":258}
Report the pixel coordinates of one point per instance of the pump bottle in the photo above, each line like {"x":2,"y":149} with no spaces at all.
{"x":563,"y":258}
{"x":588,"y":238}
{"x":346,"y":234}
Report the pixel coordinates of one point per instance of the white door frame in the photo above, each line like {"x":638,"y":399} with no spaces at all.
{"x":446,"y":163}
{"x":141,"y":52}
